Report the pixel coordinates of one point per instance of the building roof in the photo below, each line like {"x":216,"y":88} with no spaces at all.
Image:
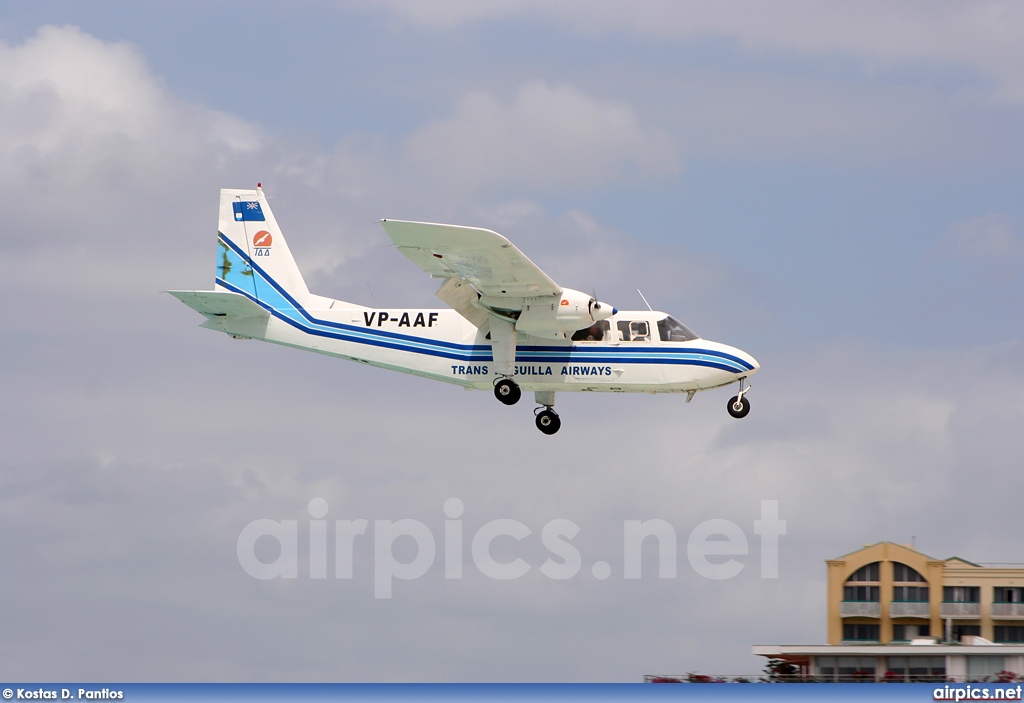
{"x":874,"y":650}
{"x":895,"y":544}
{"x":964,"y":561}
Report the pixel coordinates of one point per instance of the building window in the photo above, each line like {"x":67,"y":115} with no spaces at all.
{"x":857,"y":668}
{"x":866,"y":573}
{"x":857,"y":588}
{"x":860,"y":633}
{"x":915,"y":669}
{"x":901,"y":573}
{"x":905,"y":633}
{"x":961,"y":594}
{"x":861,"y":593}
{"x":983,"y":668}
{"x":910,"y":594}
{"x":846,"y":668}
{"x":961,"y":631}
{"x":1005,"y":594}
{"x":1010,"y":633}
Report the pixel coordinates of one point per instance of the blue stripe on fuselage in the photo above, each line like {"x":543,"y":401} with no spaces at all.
{"x":280,"y":303}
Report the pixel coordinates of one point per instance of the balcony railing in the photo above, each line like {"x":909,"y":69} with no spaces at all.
{"x":1008,"y":611}
{"x":909,"y":609}
{"x":960,"y":610}
{"x":860,"y":609}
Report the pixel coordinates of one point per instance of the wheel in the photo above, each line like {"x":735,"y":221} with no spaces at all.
{"x":738,"y":407}
{"x":548,"y":422}
{"x":507,"y":391}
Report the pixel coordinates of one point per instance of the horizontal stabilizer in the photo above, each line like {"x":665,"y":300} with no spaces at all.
{"x":219,"y":303}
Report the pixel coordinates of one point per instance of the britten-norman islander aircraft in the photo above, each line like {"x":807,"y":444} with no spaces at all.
{"x":510,"y":328}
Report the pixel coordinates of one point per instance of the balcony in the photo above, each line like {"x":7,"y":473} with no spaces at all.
{"x":964,"y":611}
{"x":1008,"y":611}
{"x":909,"y":609}
{"x":860,"y":609}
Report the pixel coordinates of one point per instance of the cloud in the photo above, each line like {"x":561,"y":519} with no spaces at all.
{"x":137,"y":447}
{"x":544,"y":137}
{"x":990,"y":240}
{"x":81,"y":115}
{"x":981,"y":37}
{"x":105,"y":175}
{"x":874,"y":453}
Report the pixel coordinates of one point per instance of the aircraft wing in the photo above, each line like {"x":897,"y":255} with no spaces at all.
{"x":487,"y":260}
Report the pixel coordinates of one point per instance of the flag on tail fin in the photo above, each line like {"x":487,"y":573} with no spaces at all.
{"x":248,"y":211}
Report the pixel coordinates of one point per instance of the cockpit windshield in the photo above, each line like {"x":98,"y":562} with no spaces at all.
{"x":672,"y":330}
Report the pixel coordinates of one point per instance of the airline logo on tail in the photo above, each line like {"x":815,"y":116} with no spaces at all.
{"x":261,"y":243}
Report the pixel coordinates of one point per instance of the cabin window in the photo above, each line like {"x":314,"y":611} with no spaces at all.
{"x":635,"y":331}
{"x":672,"y":330}
{"x":595,"y":333}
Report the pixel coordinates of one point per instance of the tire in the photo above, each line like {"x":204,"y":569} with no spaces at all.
{"x":507,"y":391}
{"x":742,"y":409}
{"x":548,"y":421}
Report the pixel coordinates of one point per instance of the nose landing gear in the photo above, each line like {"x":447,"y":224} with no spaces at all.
{"x":738,"y":405}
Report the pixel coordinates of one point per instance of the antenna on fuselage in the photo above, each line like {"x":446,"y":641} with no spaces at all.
{"x":645,"y":301}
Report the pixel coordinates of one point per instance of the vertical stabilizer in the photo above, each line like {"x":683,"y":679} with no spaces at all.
{"x":253,"y":257}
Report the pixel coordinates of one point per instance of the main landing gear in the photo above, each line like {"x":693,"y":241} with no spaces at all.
{"x":547,"y":420}
{"x":507,"y":391}
{"x":738,"y":405}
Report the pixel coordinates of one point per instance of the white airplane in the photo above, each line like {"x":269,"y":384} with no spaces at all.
{"x":510,"y":328}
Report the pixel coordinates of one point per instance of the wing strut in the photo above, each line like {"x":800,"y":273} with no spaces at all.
{"x":503,"y":351}
{"x":503,"y":346}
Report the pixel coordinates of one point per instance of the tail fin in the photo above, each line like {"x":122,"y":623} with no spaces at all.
{"x":253,"y":257}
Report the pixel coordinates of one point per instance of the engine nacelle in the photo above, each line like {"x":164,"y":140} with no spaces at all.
{"x":557,"y":317}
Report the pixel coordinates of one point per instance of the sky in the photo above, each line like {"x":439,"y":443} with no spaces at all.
{"x":832,"y":187}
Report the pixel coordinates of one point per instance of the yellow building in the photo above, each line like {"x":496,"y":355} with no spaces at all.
{"x":894,"y":612}
{"x":887,"y":593}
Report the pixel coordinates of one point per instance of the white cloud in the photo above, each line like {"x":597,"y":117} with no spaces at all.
{"x":989,"y":239}
{"x":544,"y":137}
{"x":983,"y":37}
{"x":137,"y":447}
{"x":90,"y":135}
{"x":727,"y":116}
